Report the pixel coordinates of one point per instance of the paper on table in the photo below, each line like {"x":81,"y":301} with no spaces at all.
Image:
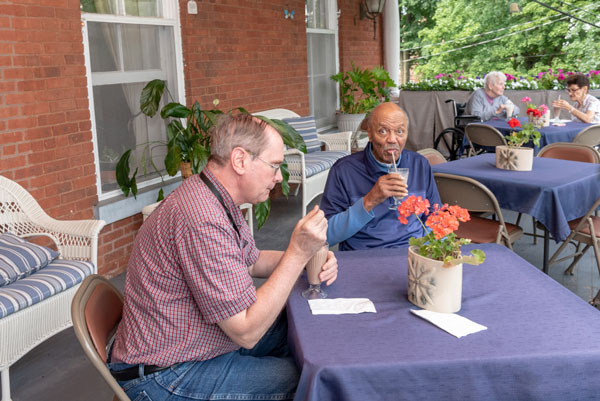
{"x":338,"y":306}
{"x":452,"y":323}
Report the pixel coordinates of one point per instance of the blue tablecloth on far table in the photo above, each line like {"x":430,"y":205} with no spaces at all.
{"x":548,"y":134}
{"x":554,"y":192}
{"x":541,"y":342}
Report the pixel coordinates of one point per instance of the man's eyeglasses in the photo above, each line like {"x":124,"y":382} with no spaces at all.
{"x":573,"y":90}
{"x":275,"y":167}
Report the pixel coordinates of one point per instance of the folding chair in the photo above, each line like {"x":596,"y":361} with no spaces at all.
{"x":584,"y":231}
{"x":433,"y":156}
{"x":577,"y":152}
{"x":589,"y":136}
{"x":477,"y":198}
{"x":483,"y":135}
{"x":565,"y":151}
{"x":96,"y":311}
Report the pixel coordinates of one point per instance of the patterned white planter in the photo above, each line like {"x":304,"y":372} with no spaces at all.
{"x":433,"y":287}
{"x":518,"y":159}
{"x":349,"y":122}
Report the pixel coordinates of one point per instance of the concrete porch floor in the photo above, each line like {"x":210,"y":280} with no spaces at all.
{"x":58,"y":369}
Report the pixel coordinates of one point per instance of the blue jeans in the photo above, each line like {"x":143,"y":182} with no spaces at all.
{"x":265,"y":372}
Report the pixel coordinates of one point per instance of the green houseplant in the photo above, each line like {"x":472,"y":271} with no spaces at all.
{"x":360,"y":91}
{"x":188,"y":144}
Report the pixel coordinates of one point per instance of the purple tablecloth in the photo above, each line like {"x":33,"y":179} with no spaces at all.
{"x":541,"y":343}
{"x":554,"y":192}
{"x":549,"y":134}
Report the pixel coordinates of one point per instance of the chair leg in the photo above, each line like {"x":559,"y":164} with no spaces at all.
{"x":576,"y":259}
{"x":5,"y":385}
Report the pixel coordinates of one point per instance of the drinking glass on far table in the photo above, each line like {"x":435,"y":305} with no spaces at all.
{"x":313,"y":269}
{"x":510,"y":108}
{"x":403,"y":172}
{"x":556,"y":112}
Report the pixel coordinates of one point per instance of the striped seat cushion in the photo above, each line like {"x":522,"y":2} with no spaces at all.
{"x":52,"y":279}
{"x":320,"y":161}
{"x":20,"y":258}
{"x":307,"y":128}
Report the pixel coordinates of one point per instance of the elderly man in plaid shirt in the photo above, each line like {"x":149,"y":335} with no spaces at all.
{"x":194,"y":326}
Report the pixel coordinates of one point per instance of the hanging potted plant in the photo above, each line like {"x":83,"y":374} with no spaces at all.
{"x":188,"y":142}
{"x":514,"y":156}
{"x":360,"y":91}
{"x":435,"y":260}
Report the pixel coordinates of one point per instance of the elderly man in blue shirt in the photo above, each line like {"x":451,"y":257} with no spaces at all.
{"x":359,"y":190}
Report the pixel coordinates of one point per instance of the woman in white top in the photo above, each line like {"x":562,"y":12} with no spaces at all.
{"x":587,"y":107}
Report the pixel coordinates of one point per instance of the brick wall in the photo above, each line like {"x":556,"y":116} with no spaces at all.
{"x":245,"y":53}
{"x":356,"y":37}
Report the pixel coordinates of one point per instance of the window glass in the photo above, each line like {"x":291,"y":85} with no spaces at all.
{"x":123,"y":58}
{"x":137,"y":8}
{"x":316,"y":14}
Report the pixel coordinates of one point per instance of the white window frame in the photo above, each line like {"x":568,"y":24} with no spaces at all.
{"x":332,"y":23}
{"x":113,"y":206}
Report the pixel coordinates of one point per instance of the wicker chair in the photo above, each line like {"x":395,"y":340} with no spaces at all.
{"x":310,"y":170}
{"x":24,"y":329}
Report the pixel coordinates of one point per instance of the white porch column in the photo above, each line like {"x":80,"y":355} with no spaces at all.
{"x":391,"y":41}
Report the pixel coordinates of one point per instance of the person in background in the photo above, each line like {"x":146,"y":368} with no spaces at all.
{"x":359,"y":190}
{"x":587,"y":107}
{"x":489,"y":102}
{"x":194,"y":325}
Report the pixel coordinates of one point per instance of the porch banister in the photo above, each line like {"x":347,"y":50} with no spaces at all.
{"x":391,"y":41}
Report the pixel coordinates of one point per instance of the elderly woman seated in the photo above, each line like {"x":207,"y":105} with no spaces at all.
{"x":587,"y":107}
{"x":489,"y":102}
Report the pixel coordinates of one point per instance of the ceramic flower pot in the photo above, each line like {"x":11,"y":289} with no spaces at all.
{"x":518,"y":159}
{"x":349,"y":122}
{"x":431,"y":286}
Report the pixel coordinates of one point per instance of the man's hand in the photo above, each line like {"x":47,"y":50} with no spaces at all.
{"x":386,"y":186}
{"x":330,"y":269}
{"x":309,"y":234}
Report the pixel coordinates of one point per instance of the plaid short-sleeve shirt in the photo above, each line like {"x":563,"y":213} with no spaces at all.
{"x":188,"y":270}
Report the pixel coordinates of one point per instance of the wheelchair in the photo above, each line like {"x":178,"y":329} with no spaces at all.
{"x":451,"y":139}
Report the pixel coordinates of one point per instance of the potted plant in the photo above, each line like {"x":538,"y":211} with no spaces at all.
{"x":108,"y":165}
{"x":360,"y":91}
{"x":435,"y":260}
{"x":538,"y":116}
{"x":514,"y":156}
{"x":188,"y":145}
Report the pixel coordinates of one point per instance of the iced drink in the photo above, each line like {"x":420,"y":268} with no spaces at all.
{"x":510,"y":108}
{"x":315,"y":264}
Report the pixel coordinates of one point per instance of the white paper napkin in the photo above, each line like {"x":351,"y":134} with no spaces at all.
{"x":452,"y":323}
{"x":338,"y":306}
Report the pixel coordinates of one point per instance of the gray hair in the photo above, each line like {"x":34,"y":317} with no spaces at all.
{"x":493,"y":77}
{"x":240,"y":130}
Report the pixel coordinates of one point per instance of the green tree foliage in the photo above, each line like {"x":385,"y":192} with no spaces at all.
{"x":477,"y":36}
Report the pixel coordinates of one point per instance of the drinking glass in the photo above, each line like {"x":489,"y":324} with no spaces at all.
{"x":403,"y":172}
{"x":313,"y":268}
{"x":556,"y":112}
{"x":510,"y":108}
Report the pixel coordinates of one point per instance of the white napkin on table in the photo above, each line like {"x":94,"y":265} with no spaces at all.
{"x":338,"y":306}
{"x":452,"y":323}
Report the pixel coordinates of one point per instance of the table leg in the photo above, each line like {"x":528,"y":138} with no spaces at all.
{"x":546,"y":245}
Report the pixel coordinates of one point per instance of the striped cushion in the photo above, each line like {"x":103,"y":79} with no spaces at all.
{"x":20,"y":258}
{"x":320,"y":161}
{"x":307,"y":128}
{"x":52,"y":279}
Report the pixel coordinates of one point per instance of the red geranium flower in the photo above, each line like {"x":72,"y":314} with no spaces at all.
{"x":513,"y":122}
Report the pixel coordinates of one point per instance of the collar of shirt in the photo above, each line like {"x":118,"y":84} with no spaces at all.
{"x":379,"y":165}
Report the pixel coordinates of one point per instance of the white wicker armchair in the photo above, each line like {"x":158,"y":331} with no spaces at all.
{"x":21,"y":331}
{"x":312,"y":185}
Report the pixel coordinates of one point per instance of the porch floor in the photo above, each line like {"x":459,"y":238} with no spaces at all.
{"x":58,"y":370}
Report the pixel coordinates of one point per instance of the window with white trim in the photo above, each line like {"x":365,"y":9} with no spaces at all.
{"x":127,"y":44}
{"x":322,"y":48}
